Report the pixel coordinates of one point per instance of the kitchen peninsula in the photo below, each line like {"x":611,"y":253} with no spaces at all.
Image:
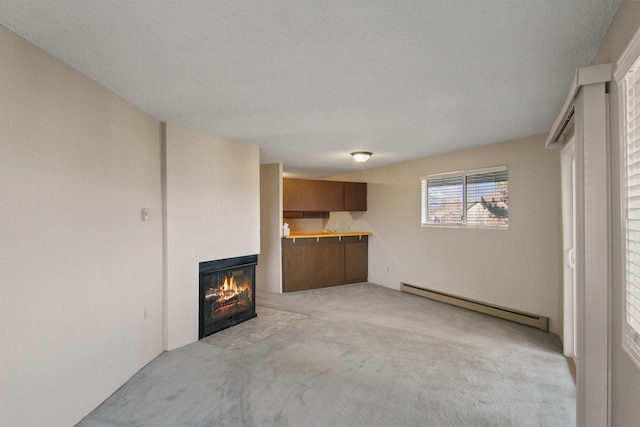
{"x":322,"y":234}
{"x":318,"y":259}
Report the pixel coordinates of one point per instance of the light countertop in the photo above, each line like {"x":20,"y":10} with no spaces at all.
{"x":314,"y":234}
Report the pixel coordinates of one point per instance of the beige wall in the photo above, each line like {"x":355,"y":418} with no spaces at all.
{"x":77,"y":264}
{"x":84,"y":298}
{"x":269,"y":270}
{"x":625,"y":380}
{"x":213,"y":212}
{"x":518,"y":268}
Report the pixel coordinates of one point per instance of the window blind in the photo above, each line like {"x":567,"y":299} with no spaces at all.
{"x":488,"y":198}
{"x":443,"y":200}
{"x":631,"y":105}
{"x":631,"y":116}
{"x":478,"y":198}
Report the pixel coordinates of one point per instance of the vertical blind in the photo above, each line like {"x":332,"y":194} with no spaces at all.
{"x":472,"y":198}
{"x":632,"y":211}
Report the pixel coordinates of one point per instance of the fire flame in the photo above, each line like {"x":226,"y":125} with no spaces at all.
{"x":229,"y":288}
{"x":228,"y":293}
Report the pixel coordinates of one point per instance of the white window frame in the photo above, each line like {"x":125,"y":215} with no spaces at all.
{"x":425,"y":222}
{"x":628,"y":68}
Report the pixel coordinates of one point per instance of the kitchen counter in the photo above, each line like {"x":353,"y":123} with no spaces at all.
{"x":312,"y":260}
{"x":314,"y":234}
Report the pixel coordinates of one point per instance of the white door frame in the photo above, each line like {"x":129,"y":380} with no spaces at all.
{"x":592,"y":256}
{"x":588,"y":105}
{"x":568,"y":165}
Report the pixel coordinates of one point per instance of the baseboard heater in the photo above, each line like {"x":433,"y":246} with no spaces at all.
{"x":528,"y":319}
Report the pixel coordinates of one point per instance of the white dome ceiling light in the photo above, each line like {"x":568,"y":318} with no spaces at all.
{"x":361,"y":156}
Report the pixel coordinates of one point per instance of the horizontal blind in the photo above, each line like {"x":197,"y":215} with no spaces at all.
{"x":632,"y":212}
{"x":487,"y":198}
{"x":442,"y":200}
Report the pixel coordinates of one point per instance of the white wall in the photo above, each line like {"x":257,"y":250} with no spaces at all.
{"x":269,"y":270}
{"x":77,"y":264}
{"x":213,"y":212}
{"x":518,"y":268}
{"x":625,"y":376}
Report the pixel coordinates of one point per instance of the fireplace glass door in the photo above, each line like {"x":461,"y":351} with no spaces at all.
{"x":227,"y":293}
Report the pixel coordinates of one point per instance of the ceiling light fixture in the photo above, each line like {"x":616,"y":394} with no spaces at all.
{"x":361,"y":156}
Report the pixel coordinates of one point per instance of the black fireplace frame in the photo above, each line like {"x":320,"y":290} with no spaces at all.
{"x":221,"y":265}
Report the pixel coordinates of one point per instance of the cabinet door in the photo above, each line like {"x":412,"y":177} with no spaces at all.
{"x":311,"y":264}
{"x":330,"y":196}
{"x":356,"y":261}
{"x":355,"y":196}
{"x":297,"y":194}
{"x":312,"y":195}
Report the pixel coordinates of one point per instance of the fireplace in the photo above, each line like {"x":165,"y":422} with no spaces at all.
{"x":227,"y":293}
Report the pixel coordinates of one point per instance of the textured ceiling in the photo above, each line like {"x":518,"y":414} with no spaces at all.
{"x":309,"y":81}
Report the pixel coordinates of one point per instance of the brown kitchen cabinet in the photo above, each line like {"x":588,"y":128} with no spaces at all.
{"x":316,"y":196}
{"x":311,"y":263}
{"x":312,"y":195}
{"x":355,"y":196}
{"x":356,"y":259}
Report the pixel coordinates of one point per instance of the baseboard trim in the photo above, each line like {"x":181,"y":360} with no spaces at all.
{"x":534,"y":320}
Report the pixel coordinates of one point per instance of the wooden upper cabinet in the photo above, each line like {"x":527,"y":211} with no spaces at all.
{"x":297,"y":195}
{"x":306,"y":195}
{"x":312,"y":195}
{"x":330,"y":195}
{"x":355,"y":196}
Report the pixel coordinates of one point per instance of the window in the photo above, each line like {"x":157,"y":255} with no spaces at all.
{"x":478,"y":198}
{"x":630,"y":97}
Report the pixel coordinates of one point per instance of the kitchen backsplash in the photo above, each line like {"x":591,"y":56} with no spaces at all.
{"x":337,"y":222}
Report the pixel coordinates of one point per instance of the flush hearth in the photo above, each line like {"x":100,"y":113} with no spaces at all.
{"x":227,"y":293}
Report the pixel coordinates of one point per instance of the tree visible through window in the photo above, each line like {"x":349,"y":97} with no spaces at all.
{"x":477,"y":198}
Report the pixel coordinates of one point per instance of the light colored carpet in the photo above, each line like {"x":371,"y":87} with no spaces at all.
{"x":268,"y":322}
{"x":365,"y":355}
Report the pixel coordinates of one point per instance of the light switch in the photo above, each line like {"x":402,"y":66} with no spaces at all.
{"x":145,"y":214}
